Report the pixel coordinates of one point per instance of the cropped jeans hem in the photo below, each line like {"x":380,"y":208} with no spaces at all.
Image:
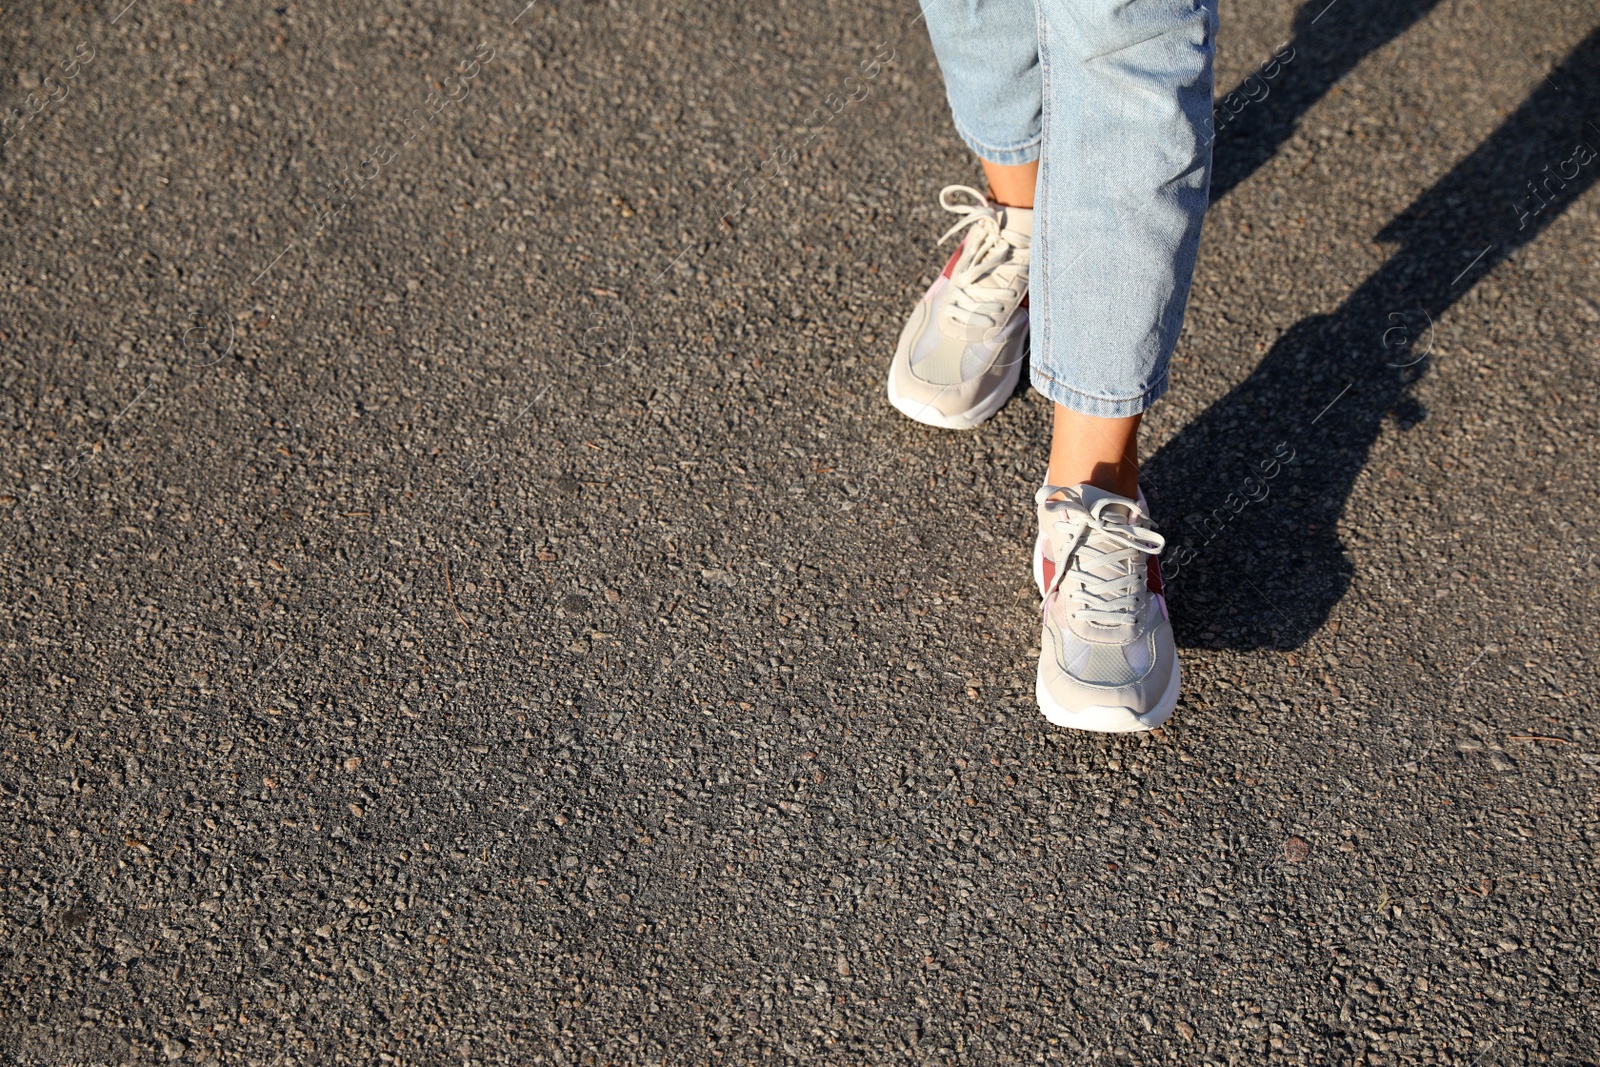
{"x":1026,"y":152}
{"x":1097,"y":406}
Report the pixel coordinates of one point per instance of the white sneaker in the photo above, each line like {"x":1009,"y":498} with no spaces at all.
{"x":1107,"y":660}
{"x":961,"y":351}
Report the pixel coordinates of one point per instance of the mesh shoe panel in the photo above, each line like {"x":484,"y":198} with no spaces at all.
{"x":1097,"y":664}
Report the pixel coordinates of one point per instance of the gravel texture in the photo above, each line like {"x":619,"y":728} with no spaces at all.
{"x":464,"y":598}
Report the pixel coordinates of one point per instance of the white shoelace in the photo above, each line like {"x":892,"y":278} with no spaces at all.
{"x":1104,"y":541}
{"x":987,"y":275}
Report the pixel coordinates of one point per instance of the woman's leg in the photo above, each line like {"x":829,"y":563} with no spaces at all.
{"x":1096,"y":113}
{"x":1123,"y":180}
{"x":1112,"y":100}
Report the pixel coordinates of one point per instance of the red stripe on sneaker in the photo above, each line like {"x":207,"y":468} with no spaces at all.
{"x":950,"y":267}
{"x":1152,"y":579}
{"x":1049,"y":571}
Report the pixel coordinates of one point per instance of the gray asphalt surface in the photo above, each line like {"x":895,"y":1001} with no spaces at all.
{"x":463,"y":600}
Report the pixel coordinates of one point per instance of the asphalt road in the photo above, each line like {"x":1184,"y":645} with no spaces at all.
{"x":464,"y":597}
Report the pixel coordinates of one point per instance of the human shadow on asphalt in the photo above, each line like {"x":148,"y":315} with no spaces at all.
{"x":1248,"y":495}
{"x":1330,"y":38}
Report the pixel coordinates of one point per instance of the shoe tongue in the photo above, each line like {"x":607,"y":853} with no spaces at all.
{"x":1092,"y":495}
{"x":1015,"y":219}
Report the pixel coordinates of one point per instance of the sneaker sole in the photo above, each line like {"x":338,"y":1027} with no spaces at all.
{"x":983,"y":411}
{"x":1109,"y":720}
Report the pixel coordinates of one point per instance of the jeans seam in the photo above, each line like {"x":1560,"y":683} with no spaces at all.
{"x":1041,"y":199}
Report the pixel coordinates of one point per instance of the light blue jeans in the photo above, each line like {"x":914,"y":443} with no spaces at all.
{"x":1113,"y":97}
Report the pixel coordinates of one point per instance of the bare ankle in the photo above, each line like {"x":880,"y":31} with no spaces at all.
{"x":1119,"y":478}
{"x":1102,"y":452}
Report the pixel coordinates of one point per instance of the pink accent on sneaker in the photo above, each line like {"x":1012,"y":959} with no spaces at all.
{"x":949,"y":268}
